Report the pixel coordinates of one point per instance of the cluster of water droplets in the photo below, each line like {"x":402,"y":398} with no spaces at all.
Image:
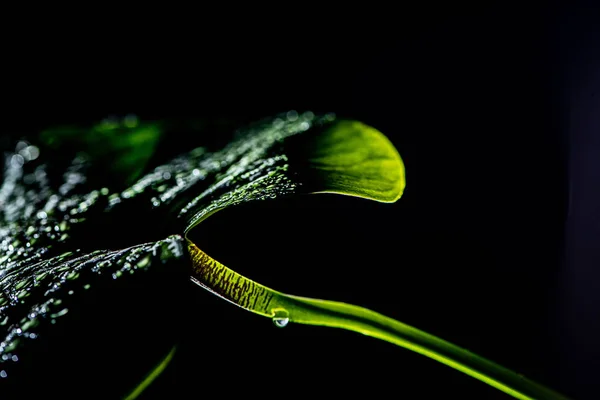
{"x":56,"y":279}
{"x":38,"y":213}
{"x":247,"y":169}
{"x":254,"y":167}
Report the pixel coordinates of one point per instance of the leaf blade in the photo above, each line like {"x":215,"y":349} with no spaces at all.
{"x":357,"y":160}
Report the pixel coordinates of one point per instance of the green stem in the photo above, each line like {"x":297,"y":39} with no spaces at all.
{"x":283,"y":308}
{"x":152,"y":375}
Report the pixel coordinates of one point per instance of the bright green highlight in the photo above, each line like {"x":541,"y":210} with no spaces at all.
{"x":309,"y":155}
{"x":152,"y":375}
{"x":355,"y":159}
{"x":349,"y":158}
{"x":283,"y":308}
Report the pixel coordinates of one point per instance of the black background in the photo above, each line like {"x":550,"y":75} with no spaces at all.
{"x":478,"y":104}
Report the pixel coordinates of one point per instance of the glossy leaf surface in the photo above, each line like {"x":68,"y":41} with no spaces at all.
{"x":50,"y":246}
{"x":53,"y":247}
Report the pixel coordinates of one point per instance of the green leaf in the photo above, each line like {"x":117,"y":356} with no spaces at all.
{"x":121,"y":147}
{"x":352,"y":158}
{"x":301,"y":154}
{"x":48,"y":226}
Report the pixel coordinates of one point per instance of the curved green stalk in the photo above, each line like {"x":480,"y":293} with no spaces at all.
{"x":283,"y":308}
{"x":155,"y":373}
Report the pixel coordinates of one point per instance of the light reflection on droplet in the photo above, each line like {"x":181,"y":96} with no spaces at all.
{"x":281,"y":318}
{"x":29,"y":153}
{"x":17,"y":161}
{"x":34,"y":152}
{"x":281,"y":322}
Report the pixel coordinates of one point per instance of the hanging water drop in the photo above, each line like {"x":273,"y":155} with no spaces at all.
{"x":281,"y":318}
{"x":281,"y":322}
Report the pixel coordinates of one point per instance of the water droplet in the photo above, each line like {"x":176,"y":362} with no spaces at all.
{"x":17,"y":161}
{"x":143,"y":262}
{"x":281,"y":318}
{"x":20,"y":146}
{"x":34,"y":152}
{"x":60,"y":313}
{"x":292,"y":115}
{"x":281,"y":322}
{"x":15,"y":358}
{"x":30,"y":324}
{"x":3,"y":374}
{"x":308,"y":116}
{"x":72,"y":275}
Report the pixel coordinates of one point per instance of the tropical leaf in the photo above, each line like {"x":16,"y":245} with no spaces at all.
{"x":50,"y":243}
{"x":51,"y":236}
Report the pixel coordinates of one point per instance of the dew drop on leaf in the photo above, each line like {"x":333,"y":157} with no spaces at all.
{"x":281,"y":322}
{"x":281,"y":318}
